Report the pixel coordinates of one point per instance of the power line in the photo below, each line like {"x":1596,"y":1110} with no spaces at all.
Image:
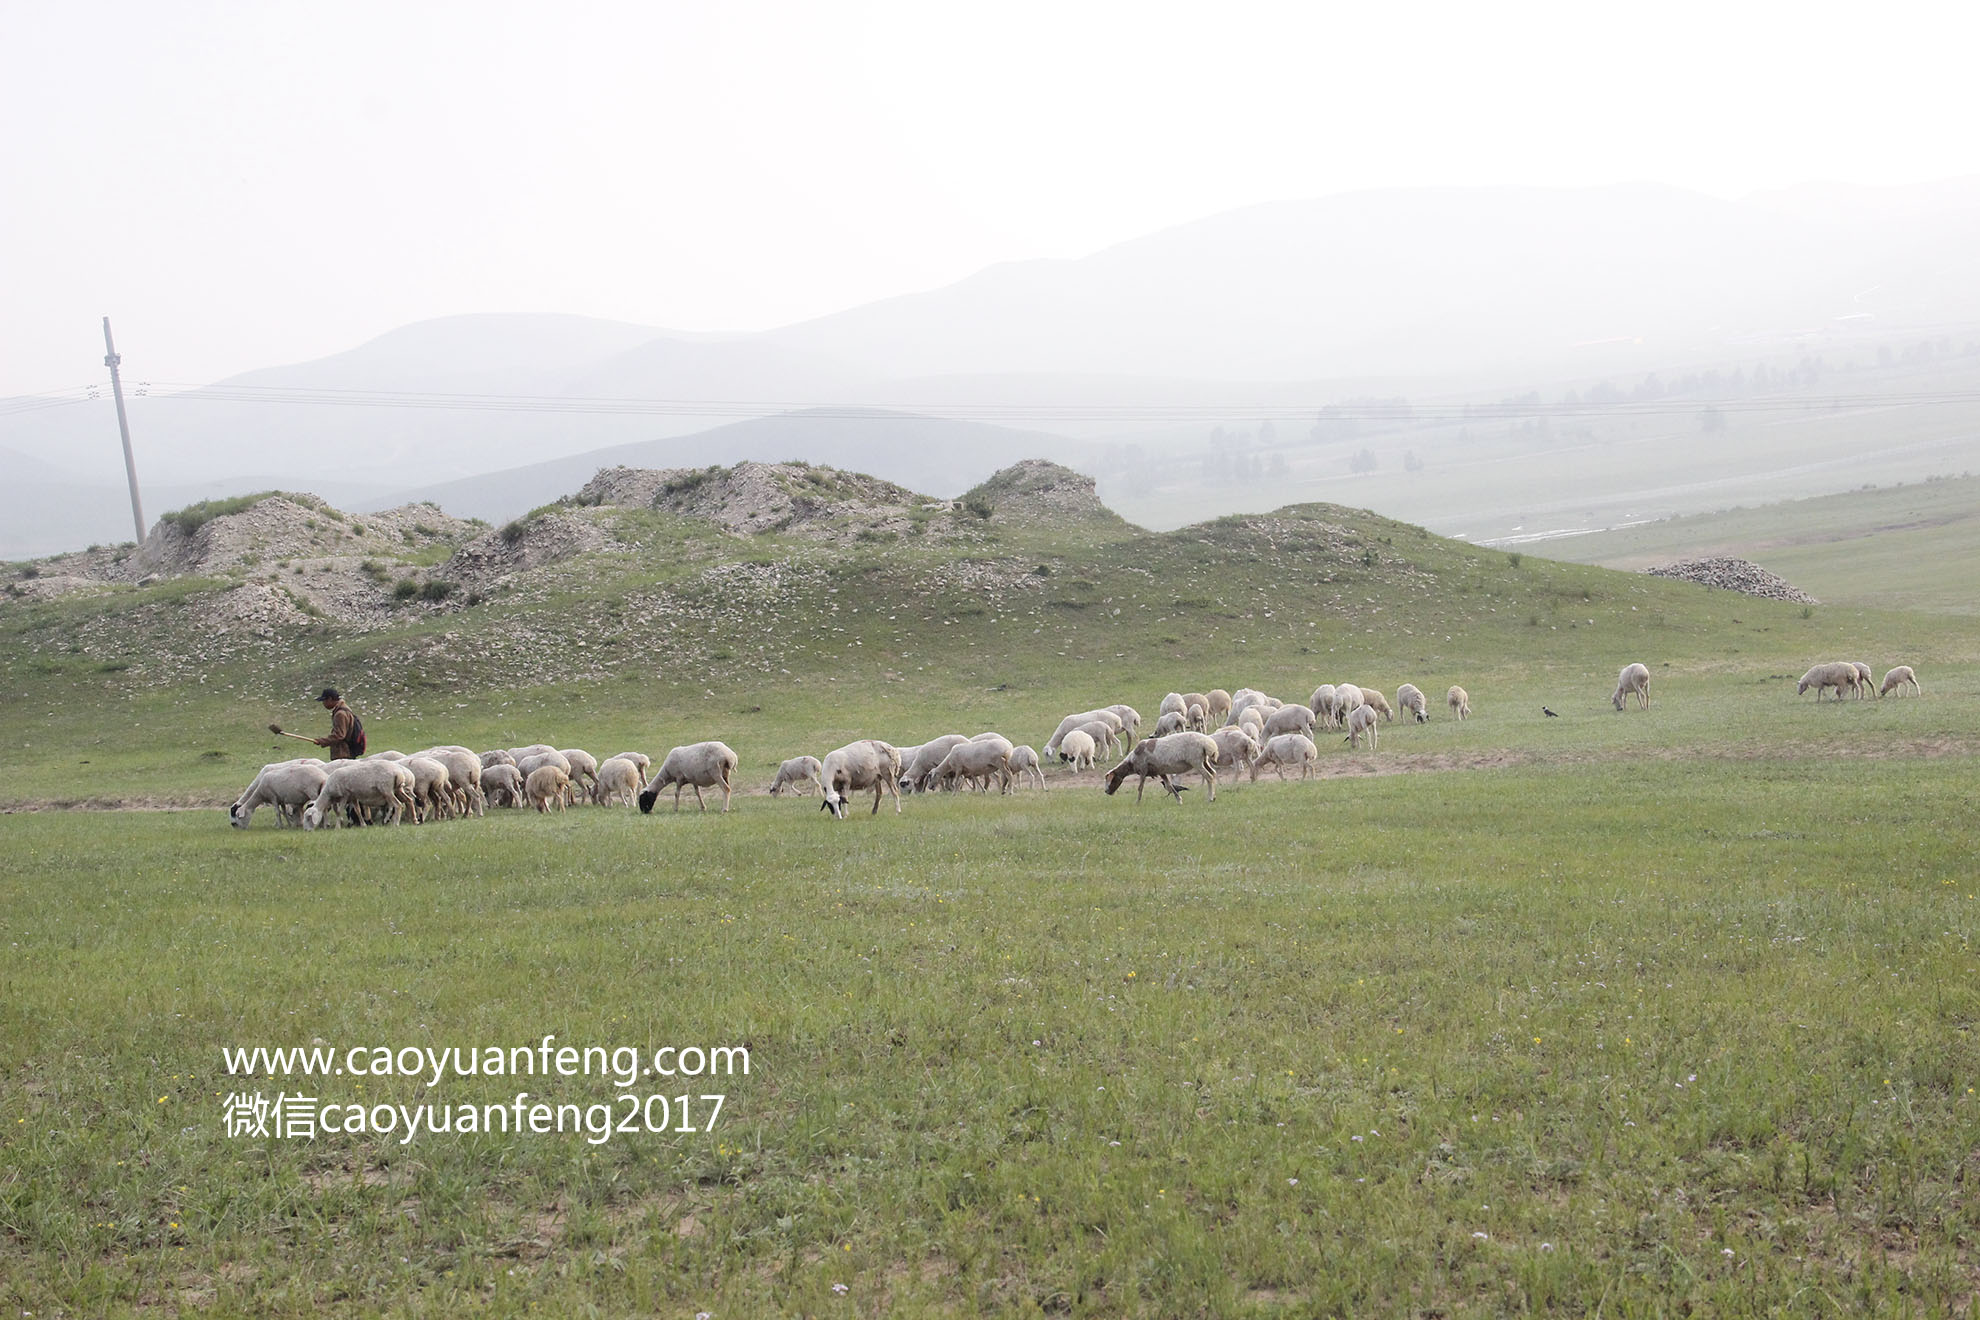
{"x":1400,"y":412}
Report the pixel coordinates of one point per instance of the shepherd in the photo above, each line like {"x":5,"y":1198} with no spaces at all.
{"x":346,"y":740}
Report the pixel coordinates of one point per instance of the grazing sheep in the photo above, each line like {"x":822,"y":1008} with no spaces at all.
{"x":1197,"y":716}
{"x":1373,"y":697}
{"x":918,"y":763}
{"x":1459,"y":701}
{"x":696,"y":766}
{"x":1837,"y":674}
{"x":1244,"y":700}
{"x":1866,"y":682}
{"x":1252,"y":721}
{"x":1174,"y":701}
{"x":502,"y":785}
{"x":552,"y":757}
{"x":617,"y":783}
{"x":1172,"y":721}
{"x":798,"y":774}
{"x":977,"y":761}
{"x":640,"y":759}
{"x":1288,"y":749}
{"x":1635,"y":679}
{"x":1025,"y":758}
{"x":584,"y":766}
{"x":534,"y":749}
{"x":1900,"y":678}
{"x":1346,"y":697}
{"x":287,"y":786}
{"x":1322,"y":705}
{"x":1235,"y":747}
{"x":383,"y":756}
{"x":1176,"y":754}
{"x":499,"y":756}
{"x":1108,"y":715}
{"x":387,"y":785}
{"x":1289,"y":719}
{"x":1409,"y":697}
{"x":1104,"y":737}
{"x":463,"y":779}
{"x":1130,"y":719}
{"x":1360,"y":720}
{"x":1077,"y":750}
{"x":1196,"y":699}
{"x":861,"y":765}
{"x":432,"y":795}
{"x":546,"y":784}
{"x":1217,"y":704}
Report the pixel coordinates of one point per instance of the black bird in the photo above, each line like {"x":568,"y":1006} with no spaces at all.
{"x":1550,"y":714}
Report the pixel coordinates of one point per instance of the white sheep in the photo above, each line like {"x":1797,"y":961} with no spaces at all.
{"x":869,"y":763}
{"x":383,"y":756}
{"x":1837,"y":674}
{"x":1107,"y":715}
{"x":1235,"y":747}
{"x":1105,"y":738}
{"x":798,"y":774}
{"x":584,"y":766}
{"x":1217,"y":704}
{"x":1635,"y":678}
{"x":617,"y":783}
{"x":1900,"y":678}
{"x":1174,"y":701}
{"x":498,"y":756}
{"x":639,"y":759}
{"x":1410,"y":697}
{"x":502,"y":785}
{"x":1025,"y":758}
{"x":287,"y":786}
{"x":1288,"y":719}
{"x":1322,"y":705}
{"x":1459,"y":701}
{"x":697,"y":766}
{"x":1077,"y":750}
{"x":550,"y":756}
{"x":547,"y":783}
{"x":387,"y":785}
{"x":464,"y":779}
{"x":1197,"y":716}
{"x":918,"y":763}
{"x":1360,"y":720}
{"x":534,"y":749}
{"x":1252,"y":720}
{"x":1346,"y":697}
{"x":1176,"y":754}
{"x":433,"y":797}
{"x":1866,"y":682}
{"x":1171,"y":721}
{"x":1373,"y":697}
{"x":1130,"y":719}
{"x":1284,"y":751}
{"x":977,"y":761}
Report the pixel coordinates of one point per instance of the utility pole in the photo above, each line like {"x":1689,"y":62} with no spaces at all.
{"x":111,"y":358}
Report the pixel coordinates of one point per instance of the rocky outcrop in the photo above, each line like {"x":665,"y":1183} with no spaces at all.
{"x":1741,"y":575}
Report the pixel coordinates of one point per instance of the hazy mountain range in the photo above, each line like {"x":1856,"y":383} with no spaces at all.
{"x":1432,"y":292}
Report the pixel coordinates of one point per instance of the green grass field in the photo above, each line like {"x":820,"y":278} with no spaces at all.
{"x":1665,"y":1012}
{"x":1912,"y":546}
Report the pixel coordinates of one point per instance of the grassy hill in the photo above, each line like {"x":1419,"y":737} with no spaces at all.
{"x":1909,"y":546}
{"x":1670,"y":1008}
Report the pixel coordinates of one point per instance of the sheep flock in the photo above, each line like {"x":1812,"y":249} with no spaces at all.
{"x":1210,"y":737}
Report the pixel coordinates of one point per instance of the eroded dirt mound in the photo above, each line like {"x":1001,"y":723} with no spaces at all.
{"x":1741,"y":575}
{"x":1039,"y":491}
{"x":795,"y":498}
{"x":542,"y":538}
{"x":283,"y":526}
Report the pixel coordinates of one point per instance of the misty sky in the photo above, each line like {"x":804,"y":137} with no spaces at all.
{"x":241,"y":185}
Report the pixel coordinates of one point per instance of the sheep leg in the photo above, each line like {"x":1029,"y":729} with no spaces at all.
{"x":677,"y":797}
{"x":697,"y":798}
